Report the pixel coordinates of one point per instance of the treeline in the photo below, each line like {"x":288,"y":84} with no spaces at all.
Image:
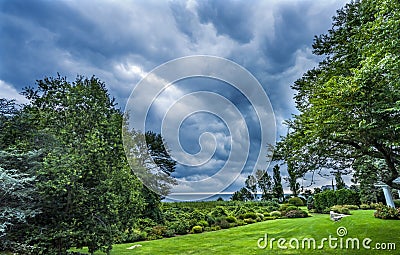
{"x":261,"y":182}
{"x":65,"y":180}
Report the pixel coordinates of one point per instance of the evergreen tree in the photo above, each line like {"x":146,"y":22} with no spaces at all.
{"x":277,"y":189}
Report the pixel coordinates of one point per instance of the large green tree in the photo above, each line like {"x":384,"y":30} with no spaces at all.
{"x":88,"y":193}
{"x":350,"y":104}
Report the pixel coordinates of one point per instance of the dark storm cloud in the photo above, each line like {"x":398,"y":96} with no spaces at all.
{"x":231,"y":18}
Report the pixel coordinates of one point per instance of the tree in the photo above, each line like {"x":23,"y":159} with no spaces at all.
{"x":350,"y":105}
{"x":277,"y":189}
{"x":264,"y":183}
{"x":339,"y":181}
{"x":18,"y":198}
{"x":251,"y":186}
{"x":242,"y":195}
{"x":294,"y":186}
{"x":88,"y":194}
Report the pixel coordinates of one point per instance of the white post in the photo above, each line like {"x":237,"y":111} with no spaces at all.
{"x":388,"y":196}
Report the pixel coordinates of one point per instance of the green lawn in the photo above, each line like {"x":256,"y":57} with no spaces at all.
{"x":243,"y":240}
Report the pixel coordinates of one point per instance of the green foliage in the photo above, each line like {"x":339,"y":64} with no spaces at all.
{"x":18,"y":203}
{"x":197,"y":229}
{"x":242,"y":195}
{"x":295,"y":201}
{"x":349,"y":104}
{"x":251,"y":187}
{"x":387,"y":212}
{"x":219,"y":211}
{"x":310,"y":202}
{"x":264,"y":183}
{"x":277,"y":189}
{"x":351,"y":207}
{"x":249,"y":215}
{"x":296,"y":214}
{"x":231,"y":219}
{"x":249,"y":221}
{"x":341,"y":209}
{"x":276,"y":214}
{"x":339,"y":181}
{"x":365,"y":207}
{"x":329,"y":198}
{"x":84,"y":188}
{"x":204,"y":223}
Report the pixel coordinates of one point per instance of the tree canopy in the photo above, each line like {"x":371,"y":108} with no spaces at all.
{"x":350,"y":104}
{"x":65,"y":178}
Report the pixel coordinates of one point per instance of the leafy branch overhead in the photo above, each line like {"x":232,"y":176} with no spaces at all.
{"x":349,"y":104}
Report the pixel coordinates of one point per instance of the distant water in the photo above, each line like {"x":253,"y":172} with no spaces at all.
{"x":187,"y":197}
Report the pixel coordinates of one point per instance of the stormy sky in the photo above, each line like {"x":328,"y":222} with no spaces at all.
{"x":120,"y":42}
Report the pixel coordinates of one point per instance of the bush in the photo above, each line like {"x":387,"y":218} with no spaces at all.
{"x":215,"y":228}
{"x":197,"y":229}
{"x":219,"y":211}
{"x":231,"y":219}
{"x":283,"y":207}
{"x":158,"y":231}
{"x":296,"y":201}
{"x":296,"y":214}
{"x":276,"y":214}
{"x":365,"y":207}
{"x":326,"y":210}
{"x":222,"y":222}
{"x":310,"y":202}
{"x":329,"y":198}
{"x":269,"y":218}
{"x":386,"y":212}
{"x":291,"y":208}
{"x":271,"y":208}
{"x":203,"y":223}
{"x":341,"y":209}
{"x":351,"y":207}
{"x":249,"y":221}
{"x":266,"y":214}
{"x":397,"y":202}
{"x":249,"y":215}
{"x":180,"y":228}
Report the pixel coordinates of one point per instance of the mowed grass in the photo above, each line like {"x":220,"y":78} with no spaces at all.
{"x":243,"y":240}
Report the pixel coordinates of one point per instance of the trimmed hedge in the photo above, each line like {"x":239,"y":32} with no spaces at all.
{"x":329,"y":198}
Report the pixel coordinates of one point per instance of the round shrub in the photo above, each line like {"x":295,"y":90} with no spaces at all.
{"x":223,"y":223}
{"x":248,"y":215}
{"x":340,"y":209}
{"x":266,"y":214}
{"x":351,"y":207}
{"x":296,"y":201}
{"x":249,"y":221}
{"x":291,"y":208}
{"x":296,"y":214}
{"x":276,"y":214}
{"x":197,"y":229}
{"x":365,"y":207}
{"x":386,"y":212}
